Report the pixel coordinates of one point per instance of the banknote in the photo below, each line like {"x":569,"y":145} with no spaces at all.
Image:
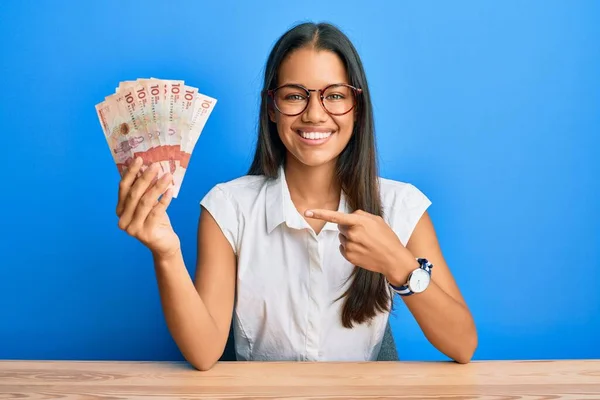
{"x":124,"y":140}
{"x":159,"y":120}
{"x":183,"y":113}
{"x":202,"y":109}
{"x":173,"y":95}
{"x":156,"y":124}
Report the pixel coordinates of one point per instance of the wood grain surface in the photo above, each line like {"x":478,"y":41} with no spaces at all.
{"x":560,"y":379}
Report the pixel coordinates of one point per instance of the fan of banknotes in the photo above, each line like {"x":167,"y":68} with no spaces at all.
{"x":158,"y":120}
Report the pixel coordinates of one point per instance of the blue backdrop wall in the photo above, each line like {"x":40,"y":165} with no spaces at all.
{"x":490,"y":108}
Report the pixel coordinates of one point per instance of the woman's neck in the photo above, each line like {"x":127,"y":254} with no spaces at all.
{"x":312,"y":187}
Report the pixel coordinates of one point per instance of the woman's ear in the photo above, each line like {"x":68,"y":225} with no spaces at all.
{"x":271,"y":112}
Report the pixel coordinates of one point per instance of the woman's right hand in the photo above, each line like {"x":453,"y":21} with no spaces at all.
{"x":142,"y":214}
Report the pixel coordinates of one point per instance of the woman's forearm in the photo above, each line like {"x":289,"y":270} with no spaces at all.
{"x":187,"y":317}
{"x":446,"y":323}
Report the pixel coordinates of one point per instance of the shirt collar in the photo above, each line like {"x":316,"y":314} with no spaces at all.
{"x":281,"y":209}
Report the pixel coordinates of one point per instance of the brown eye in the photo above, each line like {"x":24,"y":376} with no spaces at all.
{"x":294,"y":97}
{"x":335,"y":96}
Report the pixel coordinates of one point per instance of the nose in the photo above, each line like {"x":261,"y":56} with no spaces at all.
{"x":314,"y":112}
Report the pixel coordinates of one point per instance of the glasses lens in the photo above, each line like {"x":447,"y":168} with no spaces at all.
{"x":338,"y":99}
{"x":291,"y":99}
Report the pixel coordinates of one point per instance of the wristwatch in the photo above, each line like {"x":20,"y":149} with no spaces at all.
{"x":417,"y":281}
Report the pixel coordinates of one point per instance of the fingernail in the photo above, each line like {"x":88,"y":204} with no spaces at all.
{"x":308,"y":213}
{"x":138,"y":160}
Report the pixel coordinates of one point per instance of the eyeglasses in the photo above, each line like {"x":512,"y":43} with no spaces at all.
{"x":336,"y":99}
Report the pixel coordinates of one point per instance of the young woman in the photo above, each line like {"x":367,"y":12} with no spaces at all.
{"x":307,"y":251}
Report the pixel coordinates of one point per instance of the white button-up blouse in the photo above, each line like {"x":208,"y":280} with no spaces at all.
{"x":288,"y":277}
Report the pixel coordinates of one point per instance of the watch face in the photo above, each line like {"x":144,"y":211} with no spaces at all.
{"x":419,"y":280}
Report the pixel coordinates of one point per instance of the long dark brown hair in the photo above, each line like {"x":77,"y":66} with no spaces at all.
{"x":356,"y":166}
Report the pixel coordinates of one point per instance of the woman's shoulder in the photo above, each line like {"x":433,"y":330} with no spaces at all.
{"x":394,"y":191}
{"x":237,"y":191}
{"x":229,"y":203}
{"x":403,"y":205}
{"x":244,"y":184}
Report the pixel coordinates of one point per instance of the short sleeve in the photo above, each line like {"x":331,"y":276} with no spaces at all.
{"x":409,"y":206}
{"x":225,"y":212}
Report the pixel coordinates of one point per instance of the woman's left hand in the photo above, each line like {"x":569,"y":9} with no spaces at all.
{"x":368,"y":241}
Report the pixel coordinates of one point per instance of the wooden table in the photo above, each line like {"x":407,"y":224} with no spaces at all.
{"x":399,"y":380}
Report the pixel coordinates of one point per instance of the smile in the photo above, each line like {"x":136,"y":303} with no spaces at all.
{"x":314,"y":135}
{"x":313,"y":138}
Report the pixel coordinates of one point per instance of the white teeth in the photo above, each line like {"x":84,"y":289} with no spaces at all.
{"x":315,"y":135}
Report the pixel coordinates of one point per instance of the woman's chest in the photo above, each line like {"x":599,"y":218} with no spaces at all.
{"x":294,"y":260}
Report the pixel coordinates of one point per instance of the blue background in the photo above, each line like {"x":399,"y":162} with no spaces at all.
{"x":491,"y":108}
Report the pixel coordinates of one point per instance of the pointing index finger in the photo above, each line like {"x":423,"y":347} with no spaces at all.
{"x":335,"y":217}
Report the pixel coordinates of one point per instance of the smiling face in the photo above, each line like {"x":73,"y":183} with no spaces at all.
{"x":314,"y":137}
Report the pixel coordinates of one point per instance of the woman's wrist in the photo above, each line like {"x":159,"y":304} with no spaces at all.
{"x":167,"y":258}
{"x":399,"y":270}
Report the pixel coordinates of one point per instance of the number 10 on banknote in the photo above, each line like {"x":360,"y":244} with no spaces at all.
{"x":158,"y":120}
